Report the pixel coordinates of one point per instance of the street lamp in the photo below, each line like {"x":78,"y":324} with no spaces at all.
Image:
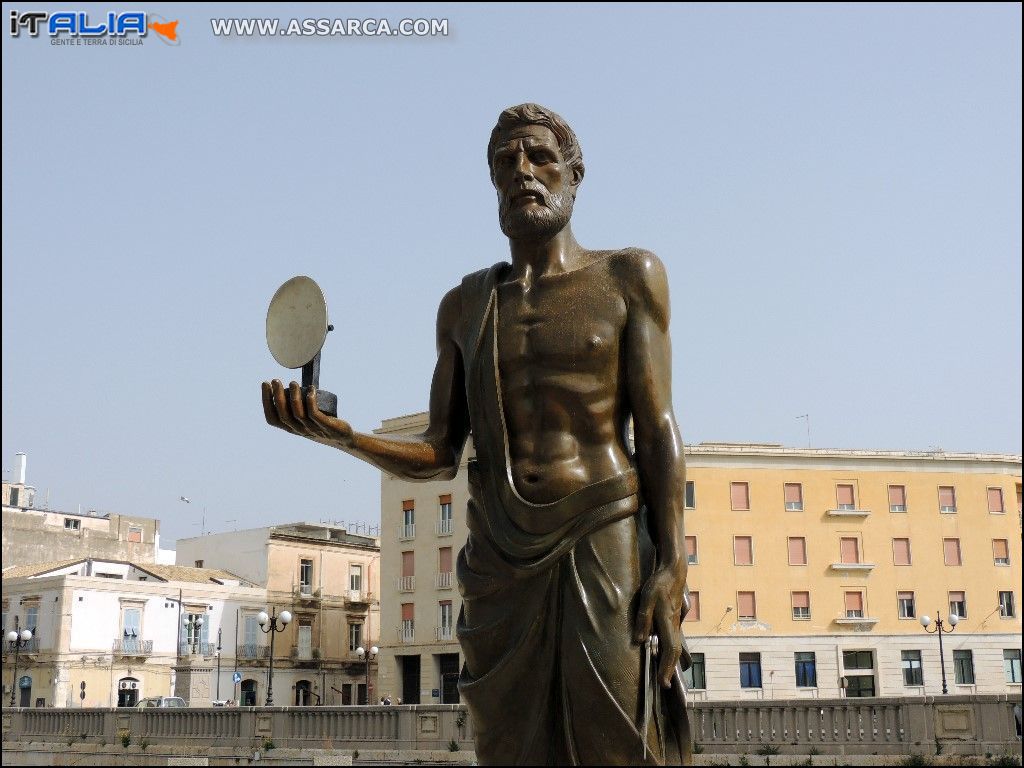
{"x":16,"y":641}
{"x":369,"y":656}
{"x":219,"y":630}
{"x":940,"y":630}
{"x":277,"y":624}
{"x":195,"y":625}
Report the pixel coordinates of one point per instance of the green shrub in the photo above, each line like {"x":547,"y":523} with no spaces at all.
{"x":126,"y":739}
{"x":453,"y":746}
{"x":268,"y":744}
{"x":698,"y":749}
{"x":768,"y":749}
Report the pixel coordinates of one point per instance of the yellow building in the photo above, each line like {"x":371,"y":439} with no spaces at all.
{"x":810,"y":570}
{"x":327,"y":578}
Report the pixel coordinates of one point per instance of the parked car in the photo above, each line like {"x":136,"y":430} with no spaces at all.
{"x":161,"y":702}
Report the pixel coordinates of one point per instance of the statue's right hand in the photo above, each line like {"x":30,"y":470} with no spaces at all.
{"x":291,"y":410}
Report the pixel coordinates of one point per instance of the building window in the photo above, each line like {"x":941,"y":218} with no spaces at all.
{"x":407,"y":579}
{"x":897,"y":498}
{"x":849,"y":550}
{"x":854,"y":605}
{"x":355,"y":636}
{"x":801,"y":605}
{"x":797,"y":550}
{"x":1000,"y":552}
{"x":746,"y":606}
{"x":995,"y":501}
{"x":1011,"y":664}
{"x":794,"y":495}
{"x":3,"y":620}
{"x":905,"y":602}
{"x":691,"y":550}
{"x":32,"y":618}
{"x":199,"y":563}
{"x":958,"y":604}
{"x":740,"y":496}
{"x":901,"y":552}
{"x":445,"y":619}
{"x":695,"y":679}
{"x":947,"y":498}
{"x":912,"y":672}
{"x":355,"y":578}
{"x":407,"y":631}
{"x":444,"y":567}
{"x":71,"y":524}
{"x":858,"y":685}
{"x":845,"y":496}
{"x":963,"y":667}
{"x":743,"y":550}
{"x":690,"y":500}
{"x":951,"y":552}
{"x":305,"y":576}
{"x":750,"y":670}
{"x":1006,"y":607}
{"x":444,"y":523}
{"x":408,"y":519}
{"x":134,"y":534}
{"x":806,"y":669}
{"x":693,"y":614}
{"x":14,"y":496}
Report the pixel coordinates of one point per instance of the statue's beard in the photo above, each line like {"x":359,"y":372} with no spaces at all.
{"x":536,"y":222}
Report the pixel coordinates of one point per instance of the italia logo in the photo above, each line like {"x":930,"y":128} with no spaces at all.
{"x":81,"y":24}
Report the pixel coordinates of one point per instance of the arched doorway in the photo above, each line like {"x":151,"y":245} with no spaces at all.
{"x":303,"y":693}
{"x":127,"y":692}
{"x":248,"y":693}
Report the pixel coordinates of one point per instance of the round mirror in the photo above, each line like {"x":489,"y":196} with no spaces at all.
{"x":297,"y":322}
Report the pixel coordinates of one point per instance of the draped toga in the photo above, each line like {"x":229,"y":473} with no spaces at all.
{"x":550,"y":594}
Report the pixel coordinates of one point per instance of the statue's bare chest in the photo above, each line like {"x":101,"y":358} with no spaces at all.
{"x":562,"y":324}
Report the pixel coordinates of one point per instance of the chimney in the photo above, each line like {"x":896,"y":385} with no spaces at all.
{"x":20,"y":459}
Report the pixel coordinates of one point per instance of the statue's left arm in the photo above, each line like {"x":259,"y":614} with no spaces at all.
{"x":659,"y":452}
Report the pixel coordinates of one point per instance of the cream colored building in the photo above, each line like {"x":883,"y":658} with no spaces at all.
{"x":329,"y":579}
{"x":119,"y":631}
{"x":809,"y":572}
{"x":32,"y":535}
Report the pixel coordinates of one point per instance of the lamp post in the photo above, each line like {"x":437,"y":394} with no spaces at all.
{"x":369,"y":656}
{"x":195,"y":625}
{"x":277,"y":624}
{"x":16,"y":640}
{"x":219,"y":629}
{"x":940,"y":630}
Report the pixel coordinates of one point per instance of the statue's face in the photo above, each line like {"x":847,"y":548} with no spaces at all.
{"x":534,"y":183}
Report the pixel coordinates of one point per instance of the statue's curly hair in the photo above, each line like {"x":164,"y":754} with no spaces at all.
{"x":535,"y":114}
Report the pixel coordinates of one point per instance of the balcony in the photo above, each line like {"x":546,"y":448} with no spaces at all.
{"x":252,"y":652}
{"x":444,"y":633}
{"x":132,"y":646}
{"x":846,"y":512}
{"x":407,"y":532}
{"x":304,"y":656}
{"x":358,"y":597}
{"x":444,"y":527}
{"x":407,"y":634}
{"x":847,"y":619}
{"x":852,"y":567}
{"x":444,"y":580}
{"x":197,"y":649}
{"x":405,"y":583}
{"x":305,"y":592}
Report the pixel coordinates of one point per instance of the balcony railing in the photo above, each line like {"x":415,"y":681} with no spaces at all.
{"x":407,"y":532}
{"x":300,"y":653}
{"x":406,"y":634}
{"x":196,"y":649}
{"x":406,"y":583}
{"x":852,"y":566}
{"x":306,"y":592}
{"x":357,"y":596}
{"x":845,"y":512}
{"x":444,"y":633}
{"x":444,"y":527}
{"x":444,"y":580}
{"x":252,"y":651}
{"x":132,"y":646}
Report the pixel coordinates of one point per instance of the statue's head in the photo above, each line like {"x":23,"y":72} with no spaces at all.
{"x":536,"y":167}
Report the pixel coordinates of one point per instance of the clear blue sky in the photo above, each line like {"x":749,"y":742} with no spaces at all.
{"x":835,"y":191}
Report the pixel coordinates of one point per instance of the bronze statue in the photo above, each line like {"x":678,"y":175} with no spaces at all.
{"x":574,"y":571}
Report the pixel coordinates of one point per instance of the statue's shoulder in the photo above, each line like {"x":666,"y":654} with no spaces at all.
{"x":643,"y":280}
{"x":482,"y":281}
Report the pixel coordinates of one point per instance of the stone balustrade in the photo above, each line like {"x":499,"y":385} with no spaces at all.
{"x":884,"y":726}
